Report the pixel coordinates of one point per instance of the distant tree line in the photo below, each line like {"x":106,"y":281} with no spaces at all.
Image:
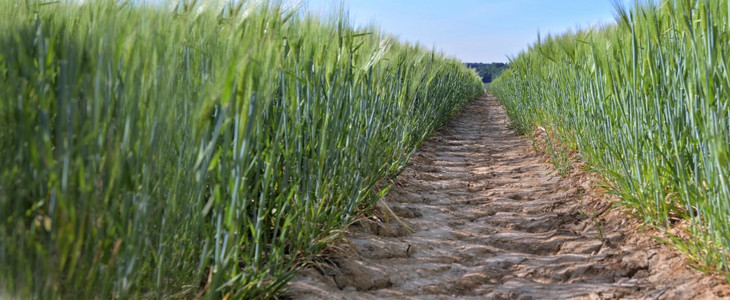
{"x":488,"y":72}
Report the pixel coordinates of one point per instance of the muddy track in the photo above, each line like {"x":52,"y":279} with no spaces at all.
{"x":490,"y":219}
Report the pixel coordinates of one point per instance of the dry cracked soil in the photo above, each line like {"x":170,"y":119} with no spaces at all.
{"x":489,"y":218}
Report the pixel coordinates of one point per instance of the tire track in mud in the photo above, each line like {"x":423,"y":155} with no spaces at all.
{"x":492,"y":220}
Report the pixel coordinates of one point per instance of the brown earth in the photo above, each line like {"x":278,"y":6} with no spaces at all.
{"x":492,"y":220}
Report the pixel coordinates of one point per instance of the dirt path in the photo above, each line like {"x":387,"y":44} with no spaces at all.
{"x":493,"y":221}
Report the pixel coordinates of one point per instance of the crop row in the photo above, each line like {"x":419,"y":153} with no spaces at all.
{"x":200,"y":149}
{"x":646,"y":103}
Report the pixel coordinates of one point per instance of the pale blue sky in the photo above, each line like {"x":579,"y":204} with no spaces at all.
{"x":473,"y":30}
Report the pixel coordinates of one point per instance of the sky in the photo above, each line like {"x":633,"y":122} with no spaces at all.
{"x":473,"y":30}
